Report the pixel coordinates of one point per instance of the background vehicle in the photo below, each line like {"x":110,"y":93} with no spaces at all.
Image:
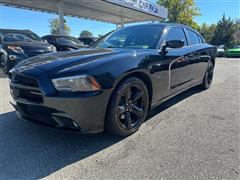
{"x":233,"y":51}
{"x":63,"y":42}
{"x":87,"y":40}
{"x":17,"y":45}
{"x":113,"y":83}
{"x":220,"y":50}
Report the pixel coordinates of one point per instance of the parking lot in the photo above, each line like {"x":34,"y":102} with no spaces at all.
{"x":192,"y":136}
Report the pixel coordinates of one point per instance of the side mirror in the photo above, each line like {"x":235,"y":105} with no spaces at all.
{"x":171,"y":44}
{"x":175,"y":44}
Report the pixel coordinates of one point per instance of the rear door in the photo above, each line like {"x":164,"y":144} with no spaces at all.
{"x":199,"y":56}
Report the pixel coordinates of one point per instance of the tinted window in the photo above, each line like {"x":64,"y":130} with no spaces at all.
{"x":176,"y":33}
{"x":193,"y":38}
{"x":138,"y":37}
{"x":50,"y":39}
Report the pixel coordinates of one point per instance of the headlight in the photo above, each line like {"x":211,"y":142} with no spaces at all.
{"x":16,"y":49}
{"x":81,"y":83}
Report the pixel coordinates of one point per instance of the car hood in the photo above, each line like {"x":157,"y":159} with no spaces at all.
{"x":55,"y":62}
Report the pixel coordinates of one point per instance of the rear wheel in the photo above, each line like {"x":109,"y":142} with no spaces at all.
{"x":128,"y":107}
{"x":207,"y":81}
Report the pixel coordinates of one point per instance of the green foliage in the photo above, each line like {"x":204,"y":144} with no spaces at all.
{"x":181,"y":11}
{"x":207,"y":31}
{"x":237,"y":34}
{"x":86,"y":33}
{"x":224,"y":32}
{"x":54,"y":26}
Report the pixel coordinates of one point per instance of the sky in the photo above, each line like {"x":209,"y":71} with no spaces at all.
{"x":13,"y":18}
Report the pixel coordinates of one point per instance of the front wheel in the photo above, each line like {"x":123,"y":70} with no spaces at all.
{"x":6,"y":66}
{"x":128,"y":107}
{"x":208,"y":77}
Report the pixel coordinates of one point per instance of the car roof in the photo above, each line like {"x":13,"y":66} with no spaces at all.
{"x":14,"y":31}
{"x":166,"y":25}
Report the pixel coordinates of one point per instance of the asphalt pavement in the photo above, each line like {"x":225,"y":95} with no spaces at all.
{"x":195,"y":135}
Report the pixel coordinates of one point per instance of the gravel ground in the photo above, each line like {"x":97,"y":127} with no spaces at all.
{"x":193,"y":136}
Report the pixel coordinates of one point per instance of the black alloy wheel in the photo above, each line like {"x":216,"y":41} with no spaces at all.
{"x":5,"y":64}
{"x":128,"y":107}
{"x":208,"y":78}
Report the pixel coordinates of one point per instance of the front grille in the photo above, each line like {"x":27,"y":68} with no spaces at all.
{"x":25,"y":88}
{"x":18,"y":79}
{"x":30,"y":95}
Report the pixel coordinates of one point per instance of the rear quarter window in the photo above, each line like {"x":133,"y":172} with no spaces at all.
{"x":194,"y":38}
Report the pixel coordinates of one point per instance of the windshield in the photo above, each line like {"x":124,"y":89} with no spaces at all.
{"x":69,"y":38}
{"x":136,"y":37}
{"x":20,"y":37}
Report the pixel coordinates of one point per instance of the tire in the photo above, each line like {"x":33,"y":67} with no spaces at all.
{"x":127,"y":108}
{"x":5,"y":64}
{"x":208,"y":77}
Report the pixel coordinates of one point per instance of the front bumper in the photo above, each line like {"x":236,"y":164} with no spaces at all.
{"x":77,"y":112}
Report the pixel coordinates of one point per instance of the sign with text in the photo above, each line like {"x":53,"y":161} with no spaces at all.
{"x":142,"y":5}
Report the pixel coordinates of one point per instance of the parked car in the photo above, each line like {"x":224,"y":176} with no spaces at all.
{"x":87,"y":40}
{"x":233,"y":51}
{"x":64,"y":42}
{"x":17,"y":45}
{"x":115,"y":82}
{"x":220,"y":50}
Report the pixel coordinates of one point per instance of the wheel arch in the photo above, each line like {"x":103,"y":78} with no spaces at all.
{"x":142,"y":75}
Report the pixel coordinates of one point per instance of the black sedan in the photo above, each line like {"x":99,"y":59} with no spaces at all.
{"x":64,"y":42}
{"x":18,"y":45}
{"x":114,"y":83}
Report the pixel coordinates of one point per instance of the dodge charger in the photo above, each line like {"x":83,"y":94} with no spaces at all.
{"x":114,"y":83}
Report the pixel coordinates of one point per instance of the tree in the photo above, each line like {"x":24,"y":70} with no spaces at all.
{"x":181,"y":11}
{"x":86,"y":33}
{"x":237,"y":33}
{"x":224,"y":32}
{"x":54,"y":27}
{"x":207,"y":31}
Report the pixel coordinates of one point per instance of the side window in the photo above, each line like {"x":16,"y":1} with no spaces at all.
{"x":176,"y":33}
{"x":194,"y":38}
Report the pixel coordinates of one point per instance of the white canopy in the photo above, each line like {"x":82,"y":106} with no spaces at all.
{"x":112,"y":11}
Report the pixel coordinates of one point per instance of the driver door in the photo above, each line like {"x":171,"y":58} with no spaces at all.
{"x":179,"y":70}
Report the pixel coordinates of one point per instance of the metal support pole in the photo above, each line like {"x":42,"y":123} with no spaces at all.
{"x":61,"y":16}
{"x":122,"y":23}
